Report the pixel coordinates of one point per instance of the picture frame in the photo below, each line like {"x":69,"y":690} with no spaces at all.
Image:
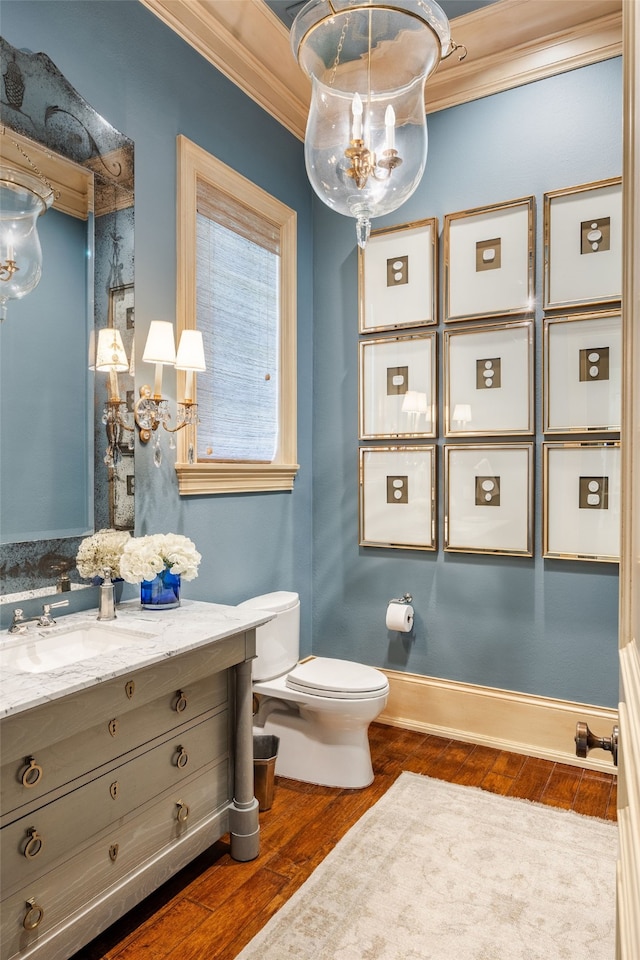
{"x":581,"y":502}
{"x":582,"y":373}
{"x":489,"y":498}
{"x":489,"y":261}
{"x":489,"y":380}
{"x":398,"y":277}
{"x":579,"y":271}
{"x":397,"y":497}
{"x":397,"y":387}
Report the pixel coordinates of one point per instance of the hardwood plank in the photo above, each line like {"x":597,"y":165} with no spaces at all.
{"x":476,"y":767}
{"x":592,"y":798}
{"x":194,"y":916}
{"x":532,"y":780}
{"x":562,"y":786}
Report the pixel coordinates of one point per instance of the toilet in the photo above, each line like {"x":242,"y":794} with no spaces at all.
{"x":320,"y":709}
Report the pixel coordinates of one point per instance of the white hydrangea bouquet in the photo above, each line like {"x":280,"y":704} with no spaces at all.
{"x":143,"y":558}
{"x":100,"y":552}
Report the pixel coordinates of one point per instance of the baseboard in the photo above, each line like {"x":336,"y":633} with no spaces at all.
{"x":518,"y":722}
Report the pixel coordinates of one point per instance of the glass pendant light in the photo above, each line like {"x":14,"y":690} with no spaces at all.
{"x":22,"y":199}
{"x":366,"y":137}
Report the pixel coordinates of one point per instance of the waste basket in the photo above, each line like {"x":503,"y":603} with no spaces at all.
{"x":265,"y":752}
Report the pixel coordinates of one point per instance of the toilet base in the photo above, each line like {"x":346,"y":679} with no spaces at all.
{"x":331,"y":756}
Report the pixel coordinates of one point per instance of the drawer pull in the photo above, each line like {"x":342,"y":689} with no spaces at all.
{"x":182,"y":759}
{"x":129,"y":688}
{"x":33,"y":916}
{"x":33,"y":773}
{"x":113,"y":727}
{"x":181,"y":702}
{"x":183,"y":811}
{"x":33,"y":845}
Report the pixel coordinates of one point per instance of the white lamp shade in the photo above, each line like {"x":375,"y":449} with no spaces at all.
{"x":110,"y":355}
{"x":462,"y":412}
{"x":160,"y":346}
{"x":191,"y":352}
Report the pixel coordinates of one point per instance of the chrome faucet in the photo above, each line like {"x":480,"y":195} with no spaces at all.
{"x":19,"y":624}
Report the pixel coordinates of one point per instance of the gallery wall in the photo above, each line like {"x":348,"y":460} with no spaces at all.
{"x":546,"y":627}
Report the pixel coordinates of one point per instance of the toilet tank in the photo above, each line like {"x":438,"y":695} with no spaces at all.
{"x":277,"y":642}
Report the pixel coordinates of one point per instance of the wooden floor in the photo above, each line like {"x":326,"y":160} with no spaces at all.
{"x":215,"y":906}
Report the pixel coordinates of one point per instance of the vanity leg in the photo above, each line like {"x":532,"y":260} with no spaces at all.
{"x":243,"y":815}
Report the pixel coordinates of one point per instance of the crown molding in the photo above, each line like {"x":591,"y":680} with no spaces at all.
{"x":514,"y":42}
{"x":248,"y":44}
{"x":509,"y":43}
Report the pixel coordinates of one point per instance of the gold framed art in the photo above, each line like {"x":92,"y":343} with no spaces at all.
{"x":583,"y":245}
{"x":489,"y":498}
{"x":489,"y":261}
{"x":397,"y":387}
{"x":397,"y":277}
{"x":581,"y":503}
{"x":488,"y":380}
{"x":397,"y":497}
{"x":582,"y":371}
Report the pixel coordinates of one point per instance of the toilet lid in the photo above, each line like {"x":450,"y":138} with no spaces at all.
{"x":327,"y":677}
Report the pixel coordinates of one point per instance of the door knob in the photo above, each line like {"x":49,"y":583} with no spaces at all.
{"x":585,"y":741}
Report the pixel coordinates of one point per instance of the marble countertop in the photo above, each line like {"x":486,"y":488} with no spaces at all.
{"x":158,"y":635}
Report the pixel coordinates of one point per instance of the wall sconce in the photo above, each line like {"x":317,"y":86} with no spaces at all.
{"x":23,"y":198}
{"x":112,"y":359}
{"x":368,"y":60}
{"x":151,"y":410}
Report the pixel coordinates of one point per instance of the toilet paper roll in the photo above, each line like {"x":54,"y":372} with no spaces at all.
{"x":400,"y":617}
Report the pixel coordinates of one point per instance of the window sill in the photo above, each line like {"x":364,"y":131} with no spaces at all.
{"x":202,"y":478}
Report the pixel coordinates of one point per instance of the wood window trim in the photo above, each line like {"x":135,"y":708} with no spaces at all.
{"x":195,"y":164}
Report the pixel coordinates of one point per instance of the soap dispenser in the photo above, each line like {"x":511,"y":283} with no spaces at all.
{"x":107,"y":603}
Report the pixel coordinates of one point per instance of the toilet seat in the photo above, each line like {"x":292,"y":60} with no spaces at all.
{"x":337,"y":679}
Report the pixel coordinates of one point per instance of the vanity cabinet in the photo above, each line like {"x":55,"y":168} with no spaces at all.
{"x":108,"y":791}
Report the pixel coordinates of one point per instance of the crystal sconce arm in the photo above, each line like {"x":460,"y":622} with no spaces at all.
{"x":152,"y":409}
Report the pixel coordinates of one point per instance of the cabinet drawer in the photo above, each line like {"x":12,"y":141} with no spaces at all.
{"x":67,"y":759}
{"x":127,"y":847}
{"x":65,"y":825}
{"x":24,"y":733}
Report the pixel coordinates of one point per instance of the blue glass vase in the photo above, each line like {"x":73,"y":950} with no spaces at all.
{"x":161,"y":593}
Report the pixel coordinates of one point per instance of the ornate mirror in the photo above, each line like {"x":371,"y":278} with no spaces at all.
{"x":63,"y":471}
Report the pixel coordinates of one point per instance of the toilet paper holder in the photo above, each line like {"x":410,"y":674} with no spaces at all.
{"x":406,"y":599}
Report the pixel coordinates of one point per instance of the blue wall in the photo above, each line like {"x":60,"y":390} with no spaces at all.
{"x":544,"y":627}
{"x":549,"y":628}
{"x":58,"y":438}
{"x":152,"y":86}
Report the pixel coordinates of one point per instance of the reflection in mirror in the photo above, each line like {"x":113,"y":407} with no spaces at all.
{"x":63,"y":471}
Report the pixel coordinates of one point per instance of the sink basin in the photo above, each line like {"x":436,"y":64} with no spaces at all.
{"x":47,"y":648}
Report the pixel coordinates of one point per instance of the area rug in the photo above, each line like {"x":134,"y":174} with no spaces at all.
{"x":437,"y":871}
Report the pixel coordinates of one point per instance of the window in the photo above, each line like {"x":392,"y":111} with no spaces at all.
{"x":237,"y":283}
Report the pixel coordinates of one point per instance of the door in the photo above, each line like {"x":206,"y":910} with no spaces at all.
{"x":629,"y":759}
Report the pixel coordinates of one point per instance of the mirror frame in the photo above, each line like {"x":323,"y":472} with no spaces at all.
{"x":40,"y":106}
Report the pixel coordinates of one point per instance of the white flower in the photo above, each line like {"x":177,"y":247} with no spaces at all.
{"x":101,"y":551}
{"x":144,"y":557}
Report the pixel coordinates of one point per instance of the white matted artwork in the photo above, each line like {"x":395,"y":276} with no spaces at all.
{"x":582,"y":373}
{"x":398,"y":387}
{"x":488,"y":386}
{"x":397,"y":277}
{"x":583,"y":245}
{"x":581,"y":519}
{"x":398,"y":497}
{"x":489,"y":498}
{"x":489,"y":261}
